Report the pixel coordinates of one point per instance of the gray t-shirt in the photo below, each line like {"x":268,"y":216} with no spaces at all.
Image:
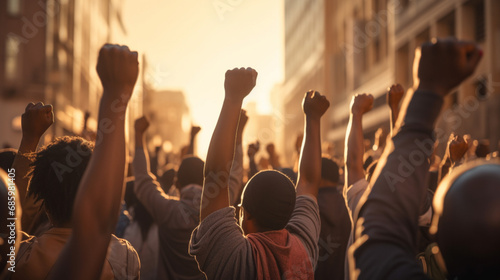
{"x":222,"y":252}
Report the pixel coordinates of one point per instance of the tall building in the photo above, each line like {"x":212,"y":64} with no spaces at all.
{"x":48,"y":52}
{"x":370,"y":45}
{"x":307,"y":61}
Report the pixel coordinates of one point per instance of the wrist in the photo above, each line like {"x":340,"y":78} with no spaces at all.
{"x":233,"y":100}
{"x":28,"y":143}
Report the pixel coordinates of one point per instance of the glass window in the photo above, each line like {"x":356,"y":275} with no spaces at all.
{"x":11,"y":58}
{"x":14,"y":7}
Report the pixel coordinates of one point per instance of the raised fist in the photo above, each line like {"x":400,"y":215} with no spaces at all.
{"x":141,"y":125}
{"x":271,"y":150}
{"x":195,"y":130}
{"x":394,"y":95}
{"x":239,"y":83}
{"x":37,"y":118}
{"x":117,"y":68}
{"x":253,"y":148}
{"x":444,"y":64}
{"x":361,"y":103}
{"x":315,"y":104}
{"x":457,"y":147}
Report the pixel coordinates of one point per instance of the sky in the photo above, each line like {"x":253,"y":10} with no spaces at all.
{"x":191,"y":43}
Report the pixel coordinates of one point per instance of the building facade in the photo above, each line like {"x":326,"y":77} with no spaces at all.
{"x":49,"y":50}
{"x":370,"y":45}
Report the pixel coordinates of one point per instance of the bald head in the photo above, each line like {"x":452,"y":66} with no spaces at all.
{"x":467,"y":220}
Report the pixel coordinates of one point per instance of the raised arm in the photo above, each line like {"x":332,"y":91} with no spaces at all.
{"x":97,"y":202}
{"x":37,"y":118}
{"x":388,"y":220}
{"x":236,"y":175}
{"x":238,"y":84}
{"x":192,"y":136}
{"x":309,"y":177}
{"x":394,"y":96}
{"x":354,"y":147}
{"x":253,"y":148}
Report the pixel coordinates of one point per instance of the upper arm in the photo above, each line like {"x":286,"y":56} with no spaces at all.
{"x":306,"y":224}
{"x":219,"y":240}
{"x":154,"y":199}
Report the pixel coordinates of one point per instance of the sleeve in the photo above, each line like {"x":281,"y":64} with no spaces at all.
{"x":305,"y":223}
{"x":353,"y":194}
{"x":149,"y":192}
{"x":220,"y":249}
{"x":236,"y":176}
{"x":388,"y":220}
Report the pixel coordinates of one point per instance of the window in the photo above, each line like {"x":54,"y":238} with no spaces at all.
{"x":480,"y":32}
{"x":11,"y":58}
{"x":14,"y":7}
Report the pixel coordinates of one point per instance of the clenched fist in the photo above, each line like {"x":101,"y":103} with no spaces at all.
{"x":457,"y":147}
{"x":315,"y":104}
{"x":394,"y":95}
{"x":361,"y":103}
{"x":253,"y":148}
{"x":37,"y":118}
{"x":239,"y":83}
{"x":444,"y":64}
{"x":117,"y":68}
{"x":195,"y":130}
{"x":141,"y":125}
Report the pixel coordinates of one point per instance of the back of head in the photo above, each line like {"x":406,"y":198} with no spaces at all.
{"x":467,"y":220}
{"x":7,"y":158}
{"x":56,"y":173}
{"x":190,"y":172}
{"x":269,"y":196}
{"x":329,"y":170}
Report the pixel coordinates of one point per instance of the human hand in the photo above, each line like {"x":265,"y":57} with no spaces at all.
{"x":37,"y":118}
{"x":195,"y":130}
{"x":141,"y":125}
{"x":253,"y":148}
{"x":361,"y":103}
{"x":239,"y":83}
{"x":445,"y":63}
{"x":117,"y":68}
{"x":394,"y":96}
{"x":457,"y":147}
{"x":315,"y":104}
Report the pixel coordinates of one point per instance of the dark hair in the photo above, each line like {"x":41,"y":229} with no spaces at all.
{"x":56,"y":173}
{"x":7,"y":158}
{"x":140,"y":214}
{"x":190,"y":172}
{"x":329,"y":170}
{"x":270,"y":197}
{"x":167,"y":179}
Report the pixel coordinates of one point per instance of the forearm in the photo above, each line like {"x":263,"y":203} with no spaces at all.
{"x":394,"y":117}
{"x":354,"y":149}
{"x":236,"y":175}
{"x":21,"y":165}
{"x":391,"y":211}
{"x":253,"y":167}
{"x":310,"y":159}
{"x":219,"y":158}
{"x":100,"y":191}
{"x":190,"y":150}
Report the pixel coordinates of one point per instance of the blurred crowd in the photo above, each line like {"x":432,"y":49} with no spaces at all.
{"x":80,"y":207}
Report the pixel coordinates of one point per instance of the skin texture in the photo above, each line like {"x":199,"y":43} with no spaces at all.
{"x":36,"y":119}
{"x":314,"y":106}
{"x":237,"y":85}
{"x":99,"y":195}
{"x":354,"y":147}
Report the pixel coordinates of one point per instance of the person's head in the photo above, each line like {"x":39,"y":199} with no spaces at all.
{"x":290,"y":173}
{"x":329,"y":172}
{"x":7,"y":158}
{"x":467,"y":220}
{"x":167,"y":179}
{"x":55,"y":174}
{"x":190,"y":172}
{"x":267,"y":202}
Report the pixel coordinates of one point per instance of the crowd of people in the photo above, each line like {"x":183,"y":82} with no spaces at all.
{"x":394,"y":210}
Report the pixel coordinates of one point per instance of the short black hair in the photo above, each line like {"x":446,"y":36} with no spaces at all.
{"x":55,"y":174}
{"x":329,"y":170}
{"x":190,"y":172}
